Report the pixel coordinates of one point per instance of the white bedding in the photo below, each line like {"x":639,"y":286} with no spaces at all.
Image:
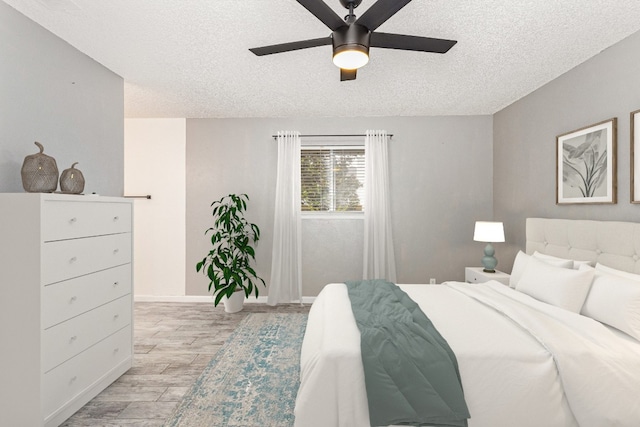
{"x":522,"y":362}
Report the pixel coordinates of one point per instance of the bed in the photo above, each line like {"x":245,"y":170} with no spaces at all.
{"x":523,"y":360}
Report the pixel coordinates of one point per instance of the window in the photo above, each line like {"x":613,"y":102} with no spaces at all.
{"x":332,"y":179}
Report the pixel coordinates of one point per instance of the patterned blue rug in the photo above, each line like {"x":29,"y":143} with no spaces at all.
{"x":253,"y":379}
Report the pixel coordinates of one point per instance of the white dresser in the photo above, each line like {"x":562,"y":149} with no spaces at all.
{"x":66,"y":305}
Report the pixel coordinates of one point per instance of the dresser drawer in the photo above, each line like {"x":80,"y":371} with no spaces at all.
{"x":66,"y":259}
{"x":64,"y":300}
{"x":65,"y":340}
{"x":63,"y":383}
{"x":69,"y":220}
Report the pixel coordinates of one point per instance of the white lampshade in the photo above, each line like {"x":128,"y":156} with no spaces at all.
{"x":351,"y":59}
{"x":487,"y":231}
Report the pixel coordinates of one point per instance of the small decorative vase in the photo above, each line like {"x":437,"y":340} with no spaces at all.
{"x":39,"y":172}
{"x":72,"y":180}
{"x":235,"y":303}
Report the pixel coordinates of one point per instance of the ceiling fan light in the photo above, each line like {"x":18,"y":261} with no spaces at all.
{"x":351,"y":57}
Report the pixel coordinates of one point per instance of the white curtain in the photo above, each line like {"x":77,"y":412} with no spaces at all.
{"x":379,"y":260}
{"x":286,"y":266}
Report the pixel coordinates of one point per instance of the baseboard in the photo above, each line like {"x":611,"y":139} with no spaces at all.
{"x":203,"y":299}
{"x":173,"y":298}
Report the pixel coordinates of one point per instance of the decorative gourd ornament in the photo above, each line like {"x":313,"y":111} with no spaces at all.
{"x":72,"y":180}
{"x":39,"y":172}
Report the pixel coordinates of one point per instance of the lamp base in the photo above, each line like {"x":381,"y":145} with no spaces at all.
{"x":489,"y":262}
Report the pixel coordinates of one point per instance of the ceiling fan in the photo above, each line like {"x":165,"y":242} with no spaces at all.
{"x":351,"y":38}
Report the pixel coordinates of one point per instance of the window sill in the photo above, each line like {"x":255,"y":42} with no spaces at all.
{"x":332,"y":215}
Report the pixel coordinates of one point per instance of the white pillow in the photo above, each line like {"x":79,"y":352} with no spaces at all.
{"x":561,"y":262}
{"x":577,"y":264}
{"x":619,"y":273}
{"x":519,"y":265}
{"x":614,"y":300}
{"x":563,"y":287}
{"x":522,"y":260}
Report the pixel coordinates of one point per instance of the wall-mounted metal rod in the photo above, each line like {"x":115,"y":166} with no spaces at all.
{"x":148,"y":197}
{"x":389,"y":135}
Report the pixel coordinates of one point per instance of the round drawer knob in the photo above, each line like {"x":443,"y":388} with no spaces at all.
{"x":73,"y":259}
{"x":116,"y":316}
{"x":72,"y":379}
{"x":115,"y":251}
{"x":73,"y":299}
{"x":73,"y":220}
{"x":115,"y":284}
{"x":116,"y":218}
{"x":73,"y":338}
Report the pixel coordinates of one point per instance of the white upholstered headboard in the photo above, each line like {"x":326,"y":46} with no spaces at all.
{"x":612,"y":243}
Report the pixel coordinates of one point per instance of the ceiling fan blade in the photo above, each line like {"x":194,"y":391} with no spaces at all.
{"x":287,"y":47}
{"x":379,"y":12}
{"x":324,"y":13}
{"x":347,"y":74}
{"x":404,"y":42}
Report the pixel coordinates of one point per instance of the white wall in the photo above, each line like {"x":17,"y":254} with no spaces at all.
{"x":154,"y":152}
{"x":52,"y":93}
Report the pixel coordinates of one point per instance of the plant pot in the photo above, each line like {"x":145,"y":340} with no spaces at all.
{"x":235,"y":303}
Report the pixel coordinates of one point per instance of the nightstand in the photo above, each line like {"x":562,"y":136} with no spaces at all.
{"x":476,"y":275}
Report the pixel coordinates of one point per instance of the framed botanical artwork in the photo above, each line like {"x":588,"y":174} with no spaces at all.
{"x":635,"y":157}
{"x":586,"y":165}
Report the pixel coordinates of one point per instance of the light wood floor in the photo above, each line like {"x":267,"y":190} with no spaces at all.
{"x":173,"y":344}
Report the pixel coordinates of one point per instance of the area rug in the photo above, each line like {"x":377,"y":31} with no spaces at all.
{"x":253,"y":379}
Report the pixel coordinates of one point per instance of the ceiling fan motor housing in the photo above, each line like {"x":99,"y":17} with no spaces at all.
{"x":350,"y":3}
{"x":351,"y":37}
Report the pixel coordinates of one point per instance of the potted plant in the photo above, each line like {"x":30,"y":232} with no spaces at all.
{"x":227,"y":265}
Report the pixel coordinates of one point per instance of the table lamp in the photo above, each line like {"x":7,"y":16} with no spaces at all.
{"x":487,"y":231}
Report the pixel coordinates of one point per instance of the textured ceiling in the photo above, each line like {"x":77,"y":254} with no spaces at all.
{"x":190,"y":58}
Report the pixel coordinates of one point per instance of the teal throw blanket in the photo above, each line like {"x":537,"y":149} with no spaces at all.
{"x":411,"y":373}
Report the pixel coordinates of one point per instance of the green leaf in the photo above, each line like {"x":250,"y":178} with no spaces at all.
{"x":218,"y":299}
{"x":217,"y":263}
{"x":256,"y":232}
{"x":251,"y":271}
{"x":230,"y":290}
{"x":236,"y":278}
{"x":250,"y":251}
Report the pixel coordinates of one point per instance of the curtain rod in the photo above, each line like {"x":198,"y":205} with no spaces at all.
{"x":389,"y":135}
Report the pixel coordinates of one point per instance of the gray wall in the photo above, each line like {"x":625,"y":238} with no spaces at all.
{"x":525,"y":133}
{"x":52,"y":93}
{"x":441,"y":175}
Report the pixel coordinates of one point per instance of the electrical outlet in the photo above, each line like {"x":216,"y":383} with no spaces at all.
{"x":432,"y":281}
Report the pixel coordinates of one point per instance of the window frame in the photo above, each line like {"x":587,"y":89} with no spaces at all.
{"x":333,"y":214}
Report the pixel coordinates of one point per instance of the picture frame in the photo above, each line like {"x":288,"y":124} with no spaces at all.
{"x":586,"y":170}
{"x":635,"y":157}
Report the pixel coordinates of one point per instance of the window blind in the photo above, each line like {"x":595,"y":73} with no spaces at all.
{"x":332,"y":179}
